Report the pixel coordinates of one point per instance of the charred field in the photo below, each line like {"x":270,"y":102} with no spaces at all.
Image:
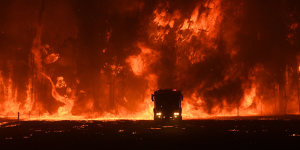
{"x":229,"y":132}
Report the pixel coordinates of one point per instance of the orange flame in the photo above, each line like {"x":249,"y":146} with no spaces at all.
{"x":193,"y":35}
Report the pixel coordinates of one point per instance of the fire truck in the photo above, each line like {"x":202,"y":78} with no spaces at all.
{"x":167,"y":104}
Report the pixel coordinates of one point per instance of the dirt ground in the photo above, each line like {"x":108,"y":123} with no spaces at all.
{"x":147,"y":134}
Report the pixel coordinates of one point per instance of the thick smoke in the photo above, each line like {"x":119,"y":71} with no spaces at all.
{"x":105,"y":56}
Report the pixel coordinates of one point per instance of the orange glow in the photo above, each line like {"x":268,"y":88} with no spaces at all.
{"x":140,"y":63}
{"x":249,"y":97}
{"x":51,"y":58}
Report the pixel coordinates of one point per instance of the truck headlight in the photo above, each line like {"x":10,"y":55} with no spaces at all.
{"x":176,"y":113}
{"x":158,"y":114}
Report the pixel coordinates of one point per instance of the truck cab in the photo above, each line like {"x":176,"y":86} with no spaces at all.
{"x":167,"y":104}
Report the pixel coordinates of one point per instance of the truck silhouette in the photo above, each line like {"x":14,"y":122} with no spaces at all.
{"x":167,"y":104}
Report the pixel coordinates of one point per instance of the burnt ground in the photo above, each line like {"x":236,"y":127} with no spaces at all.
{"x":147,"y":134}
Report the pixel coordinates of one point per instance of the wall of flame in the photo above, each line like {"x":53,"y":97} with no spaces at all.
{"x":65,"y":59}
